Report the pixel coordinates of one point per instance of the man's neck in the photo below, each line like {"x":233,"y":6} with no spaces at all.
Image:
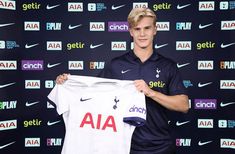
{"x":143,"y":53}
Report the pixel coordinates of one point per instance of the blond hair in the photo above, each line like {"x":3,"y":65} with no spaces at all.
{"x":137,"y":14}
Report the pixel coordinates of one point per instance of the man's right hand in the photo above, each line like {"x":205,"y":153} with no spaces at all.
{"x":61,"y":78}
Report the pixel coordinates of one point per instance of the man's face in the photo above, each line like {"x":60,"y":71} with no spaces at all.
{"x":143,"y":33}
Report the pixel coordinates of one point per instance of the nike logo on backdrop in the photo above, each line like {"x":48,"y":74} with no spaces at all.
{"x":52,"y":123}
{"x":30,"y":46}
{"x":160,"y":46}
{"x":52,"y":65}
{"x":95,"y":46}
{"x":52,"y":7}
{"x":4,"y":25}
{"x":226,"y":45}
{"x":31,"y":104}
{"x":125,"y":71}
{"x":183,"y":6}
{"x":182,"y":65}
{"x":75,"y":26}
{"x":117,"y":7}
{"x":204,"y":84}
{"x":3,"y":146}
{"x":181,"y":123}
{"x":6,"y":85}
{"x":200,"y":143}
{"x":222,"y":104}
{"x":85,"y":99}
{"x":204,"y":26}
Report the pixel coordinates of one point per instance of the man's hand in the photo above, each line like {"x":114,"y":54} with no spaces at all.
{"x":62,"y":78}
{"x":143,"y":87}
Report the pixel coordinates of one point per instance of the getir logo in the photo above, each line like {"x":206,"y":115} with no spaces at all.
{"x":227,"y":65}
{"x":75,"y":65}
{"x":32,"y":84}
{"x":140,"y":5}
{"x":227,"y":143}
{"x":97,"y":65}
{"x":76,"y":45}
{"x":162,"y":6}
{"x":227,"y":84}
{"x":54,"y":141}
{"x":7,"y":105}
{"x":75,"y":7}
{"x":163,"y":26}
{"x":228,"y":25}
{"x":8,"y":124}
{"x":34,"y":122}
{"x":8,"y":65}
{"x":6,"y":4}
{"x":183,"y":45}
{"x":32,"y":142}
{"x":205,"y":65}
{"x":54,"y":45}
{"x":34,"y":65}
{"x":206,"y":6}
{"x":118,"y":46}
{"x":205,"y":45}
{"x":97,"y":26}
{"x":205,"y":123}
{"x":183,"y":142}
{"x":31,"y":6}
{"x":31,"y":26}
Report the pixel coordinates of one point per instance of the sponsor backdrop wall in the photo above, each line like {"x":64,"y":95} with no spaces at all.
{"x":42,"y":39}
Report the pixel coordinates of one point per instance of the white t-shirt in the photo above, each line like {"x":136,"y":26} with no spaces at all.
{"x":100,"y":115}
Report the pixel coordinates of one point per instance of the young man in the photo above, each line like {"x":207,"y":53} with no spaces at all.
{"x":154,"y":75}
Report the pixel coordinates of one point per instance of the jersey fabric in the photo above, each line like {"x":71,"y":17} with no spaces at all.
{"x":162,"y":75}
{"x":100,"y":114}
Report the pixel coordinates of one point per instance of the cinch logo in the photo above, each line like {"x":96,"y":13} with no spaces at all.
{"x":205,"y":65}
{"x":205,"y":45}
{"x":49,"y":84}
{"x":8,"y":124}
{"x":118,"y":46}
{"x":32,"y":142}
{"x":54,"y":45}
{"x":32,"y":84}
{"x":206,"y":6}
{"x":183,"y":25}
{"x":183,"y":142}
{"x":117,"y":26}
{"x":8,"y":65}
{"x":77,"y":45}
{"x":205,"y":103}
{"x":205,"y":123}
{"x":75,"y":65}
{"x":31,"y":6}
{"x":183,"y":45}
{"x":53,"y":26}
{"x":227,"y":65}
{"x":227,"y":84}
{"x":97,"y":65}
{"x":34,"y":122}
{"x":99,"y":122}
{"x":187,"y":83}
{"x":97,"y":26}
{"x":140,"y":5}
{"x":163,"y":26}
{"x":75,"y":7}
{"x":156,"y":84}
{"x":228,"y":25}
{"x":137,"y":109}
{"x":31,"y":26}
{"x":227,"y":143}
{"x":162,"y":6}
{"x":6,"y":4}
{"x":54,"y":141}
{"x":4,"y":105}
{"x":34,"y":65}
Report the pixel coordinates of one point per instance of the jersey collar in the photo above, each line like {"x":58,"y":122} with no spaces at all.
{"x":153,"y":57}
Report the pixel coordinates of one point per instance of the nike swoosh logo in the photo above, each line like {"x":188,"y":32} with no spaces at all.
{"x":52,"y":123}
{"x":31,"y":104}
{"x":222,"y":104}
{"x":226,"y":45}
{"x":6,"y":85}
{"x":52,"y":7}
{"x":3,"y":146}
{"x":30,"y":46}
{"x":204,"y":26}
{"x":85,"y":99}
{"x":95,"y":46}
{"x":160,"y":46}
{"x":117,"y":7}
{"x":4,"y":25}
{"x":125,"y":71}
{"x":181,"y":123}
{"x":52,"y":65}
{"x":182,"y":65}
{"x":204,"y":143}
{"x":183,"y":6}
{"x":75,"y":26}
{"x":204,"y":84}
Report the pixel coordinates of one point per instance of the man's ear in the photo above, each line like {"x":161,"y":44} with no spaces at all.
{"x":130,"y":31}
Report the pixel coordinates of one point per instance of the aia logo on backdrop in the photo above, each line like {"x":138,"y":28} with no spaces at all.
{"x":8,"y":65}
{"x":31,"y":26}
{"x":140,"y":5}
{"x":228,"y":25}
{"x":97,"y":26}
{"x":227,"y":65}
{"x":227,"y":143}
{"x":97,"y":65}
{"x":205,"y":65}
{"x":205,"y":123}
{"x":227,"y":84}
{"x":75,"y":7}
{"x":8,"y":4}
{"x":75,"y":65}
{"x":34,"y":65}
{"x":206,"y":6}
{"x":163,"y":26}
{"x":54,"y":45}
{"x":118,"y":46}
{"x":32,"y":84}
{"x":8,"y":124}
{"x":183,"y":45}
{"x":183,"y":142}
{"x":54,"y":141}
{"x":32,"y":142}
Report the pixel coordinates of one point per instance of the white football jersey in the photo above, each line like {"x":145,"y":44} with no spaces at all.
{"x":100,"y":115}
